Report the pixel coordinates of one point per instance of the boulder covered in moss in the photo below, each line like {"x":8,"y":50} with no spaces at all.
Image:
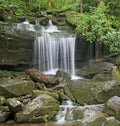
{"x":41,"y":109}
{"x":89,"y":92}
{"x":16,"y":87}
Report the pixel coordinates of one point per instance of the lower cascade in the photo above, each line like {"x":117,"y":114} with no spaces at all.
{"x":54,"y":49}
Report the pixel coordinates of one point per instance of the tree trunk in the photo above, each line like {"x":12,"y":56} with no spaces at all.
{"x":81,"y":7}
{"x":97,"y":50}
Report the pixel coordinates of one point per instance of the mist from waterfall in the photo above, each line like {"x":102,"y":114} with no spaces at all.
{"x":54,"y":49}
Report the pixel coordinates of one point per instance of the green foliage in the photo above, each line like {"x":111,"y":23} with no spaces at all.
{"x":112,"y":40}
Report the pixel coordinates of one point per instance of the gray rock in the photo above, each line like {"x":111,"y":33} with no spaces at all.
{"x":64,"y":76}
{"x":112,"y":107}
{"x":96,"y":120}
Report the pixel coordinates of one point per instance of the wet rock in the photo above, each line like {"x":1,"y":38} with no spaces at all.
{"x":15,"y":87}
{"x":14,"y":105}
{"x":112,"y":107}
{"x":95,"y":120}
{"x":93,"y":92}
{"x":4,"y":113}
{"x":112,"y":122}
{"x":64,"y":76}
{"x":42,"y":108}
{"x":38,"y":76}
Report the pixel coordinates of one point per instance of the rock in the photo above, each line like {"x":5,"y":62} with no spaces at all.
{"x":38,"y":76}
{"x":16,"y":48}
{"x":14,"y":105}
{"x":73,"y":114}
{"x":95,"y":120}
{"x":112,"y":122}
{"x":42,"y":108}
{"x":2,"y":100}
{"x":15,"y":87}
{"x":64,"y":76}
{"x":112,"y":107}
{"x":89,"y":92}
{"x":101,"y":68}
{"x":4,"y":113}
{"x":52,"y":94}
{"x":102,"y":77}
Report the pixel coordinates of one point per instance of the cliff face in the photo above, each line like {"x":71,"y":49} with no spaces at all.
{"x":16,"y":48}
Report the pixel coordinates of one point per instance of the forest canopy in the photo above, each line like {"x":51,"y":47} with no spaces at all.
{"x":98,"y":20}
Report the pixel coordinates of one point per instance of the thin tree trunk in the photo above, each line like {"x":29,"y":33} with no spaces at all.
{"x":97,"y":50}
{"x":81,"y":7}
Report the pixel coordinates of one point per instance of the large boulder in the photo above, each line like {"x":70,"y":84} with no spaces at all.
{"x":85,"y":91}
{"x":100,"y":70}
{"x":112,"y":107}
{"x":42,"y":108}
{"x":15,"y":87}
{"x":16,"y":47}
{"x":38,"y":76}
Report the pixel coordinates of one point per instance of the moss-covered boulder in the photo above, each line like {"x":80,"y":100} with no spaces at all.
{"x":15,"y":87}
{"x":42,"y":108}
{"x":90,"y":92}
{"x":14,"y":105}
{"x":4,"y":113}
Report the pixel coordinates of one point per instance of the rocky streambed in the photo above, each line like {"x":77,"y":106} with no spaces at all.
{"x":32,"y":98}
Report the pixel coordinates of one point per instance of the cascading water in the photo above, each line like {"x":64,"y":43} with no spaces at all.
{"x":54,"y":49}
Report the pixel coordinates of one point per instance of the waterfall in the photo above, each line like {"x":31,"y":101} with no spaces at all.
{"x":54,"y":49}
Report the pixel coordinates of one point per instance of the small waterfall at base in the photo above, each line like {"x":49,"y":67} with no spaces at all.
{"x":54,"y":49}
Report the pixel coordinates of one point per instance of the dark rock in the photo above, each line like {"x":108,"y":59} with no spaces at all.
{"x":16,"y":47}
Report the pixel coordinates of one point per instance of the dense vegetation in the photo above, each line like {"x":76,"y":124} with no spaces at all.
{"x":98,"y":20}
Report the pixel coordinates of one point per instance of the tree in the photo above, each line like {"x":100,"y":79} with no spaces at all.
{"x":81,"y":7}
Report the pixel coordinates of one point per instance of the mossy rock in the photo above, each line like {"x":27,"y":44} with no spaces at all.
{"x":93,"y":92}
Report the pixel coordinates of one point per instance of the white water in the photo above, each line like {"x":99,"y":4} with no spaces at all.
{"x":54,"y":50}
